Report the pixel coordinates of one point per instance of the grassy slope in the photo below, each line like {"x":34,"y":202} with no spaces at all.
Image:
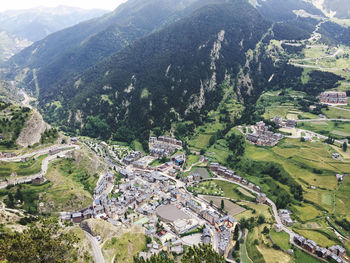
{"x":339,"y":130}
{"x":66,"y":194}
{"x":281,"y":239}
{"x":21,"y":169}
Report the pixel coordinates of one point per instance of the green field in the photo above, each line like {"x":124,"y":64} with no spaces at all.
{"x":311,"y":164}
{"x":333,"y":113}
{"x":27,"y":193}
{"x":322,"y":238}
{"x":124,"y":247}
{"x":207,"y":188}
{"x":281,"y":239}
{"x":283,"y":106}
{"x":302,"y":257}
{"x":335,"y":129}
{"x":191,"y":160}
{"x":21,"y":168}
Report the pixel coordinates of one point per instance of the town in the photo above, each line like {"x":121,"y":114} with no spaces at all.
{"x":171,"y":216}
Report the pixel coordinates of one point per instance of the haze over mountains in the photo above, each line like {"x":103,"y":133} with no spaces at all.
{"x":152,"y":62}
{"x":20,"y":28}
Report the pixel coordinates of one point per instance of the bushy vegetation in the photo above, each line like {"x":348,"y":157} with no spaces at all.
{"x":41,"y":242}
{"x":12,"y":120}
{"x":49,"y":136}
{"x":202,"y":253}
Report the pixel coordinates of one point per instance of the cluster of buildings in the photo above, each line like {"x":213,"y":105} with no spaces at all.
{"x":285,"y":214}
{"x":230,"y":175}
{"x":335,"y":253}
{"x":333,"y":97}
{"x":104,"y":182}
{"x":132,"y":157}
{"x":262,"y":136}
{"x":135,"y":193}
{"x":163,"y":146}
{"x":224,"y":225}
{"x":280,"y":123}
{"x":7,"y":155}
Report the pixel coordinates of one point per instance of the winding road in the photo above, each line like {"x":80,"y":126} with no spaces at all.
{"x":95,"y":248}
{"x":44,"y":165}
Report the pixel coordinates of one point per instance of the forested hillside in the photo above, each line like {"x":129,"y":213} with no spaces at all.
{"x":149,"y":64}
{"x":172,"y":74}
{"x":77,"y":48}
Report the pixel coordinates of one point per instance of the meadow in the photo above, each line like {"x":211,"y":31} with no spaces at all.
{"x":33,"y":166}
{"x":336,"y":129}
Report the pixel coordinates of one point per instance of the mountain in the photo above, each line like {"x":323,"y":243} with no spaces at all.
{"x":10,"y":45}
{"x":37,"y":23}
{"x":77,"y":48}
{"x":334,"y":8}
{"x":20,"y":28}
{"x":149,"y":64}
{"x":173,"y":72}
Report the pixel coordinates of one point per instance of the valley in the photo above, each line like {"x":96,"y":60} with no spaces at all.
{"x":186,"y":131}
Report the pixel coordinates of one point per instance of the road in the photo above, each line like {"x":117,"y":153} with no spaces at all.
{"x":44,"y":167}
{"x":323,"y":119}
{"x":268,"y":200}
{"x":95,"y":248}
{"x":340,"y":108}
{"x":26,"y":101}
{"x":38,"y":152}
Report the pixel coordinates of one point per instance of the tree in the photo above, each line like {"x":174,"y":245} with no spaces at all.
{"x":345,"y":146}
{"x":222,"y":204}
{"x":211,"y":202}
{"x":261,"y":219}
{"x":202,"y":253}
{"x":42,"y":242}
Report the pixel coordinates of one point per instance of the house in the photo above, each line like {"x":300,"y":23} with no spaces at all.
{"x":210,"y":216}
{"x":194,"y":206}
{"x":226,"y":221}
{"x":38,"y":180}
{"x":321,"y":252}
{"x":278,"y":120}
{"x":214,"y":167}
{"x":177,"y":250}
{"x":340,"y":177}
{"x":335,"y":155}
{"x":299,"y":240}
{"x":291,"y":123}
{"x":310,"y":245}
{"x":333,"y":97}
{"x":338,"y":250}
{"x":277,"y":227}
{"x":54,"y":151}
{"x":225,"y":238}
{"x":77,"y":217}
{"x":24,"y":159}
{"x":261,"y":198}
{"x":257,"y":188}
{"x":206,"y":236}
{"x":334,"y":258}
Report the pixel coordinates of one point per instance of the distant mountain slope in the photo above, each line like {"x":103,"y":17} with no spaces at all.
{"x":171,"y":74}
{"x":10,"y":45}
{"x":336,"y":8}
{"x":77,"y":48}
{"x":37,"y":23}
{"x":282,"y":10}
